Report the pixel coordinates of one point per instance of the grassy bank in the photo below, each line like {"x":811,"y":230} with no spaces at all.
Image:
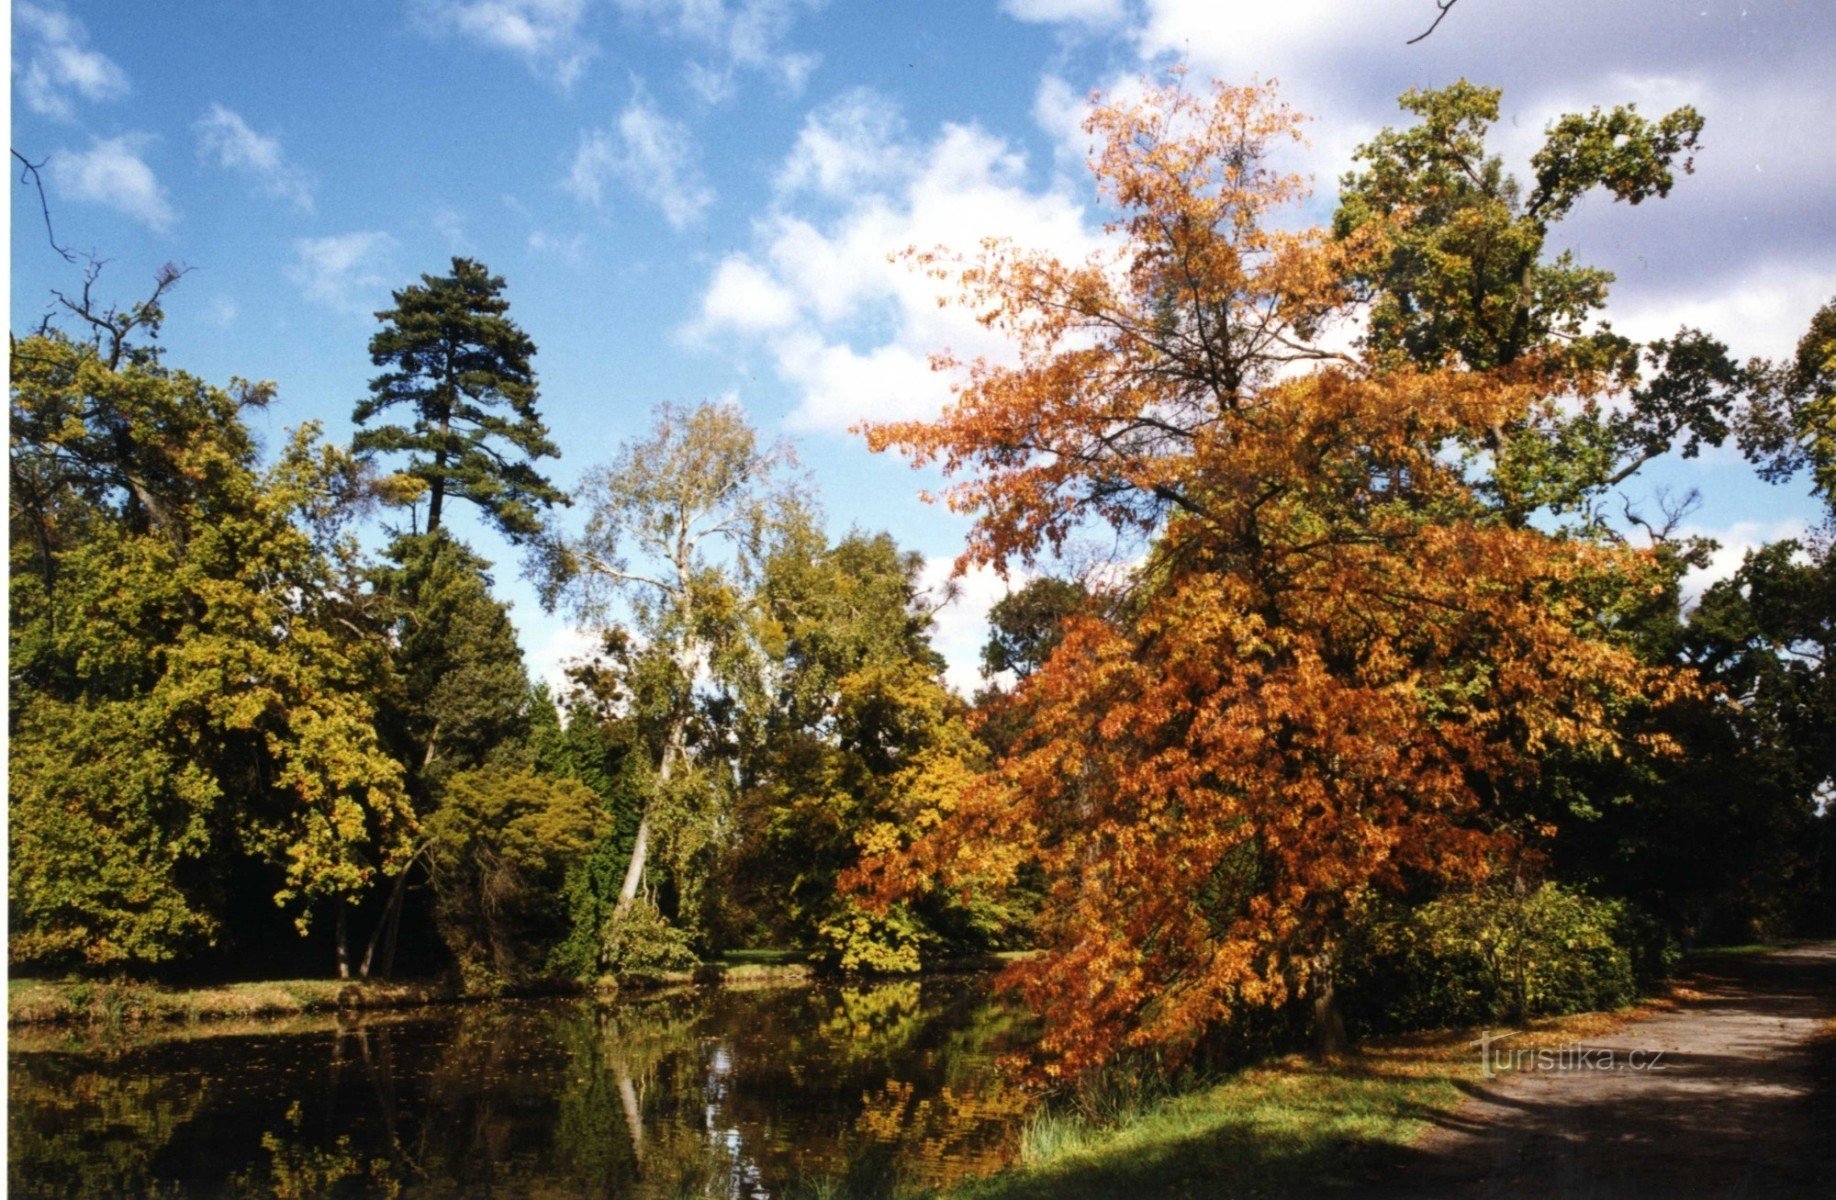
{"x":1287,"y":1127}
{"x":101,"y":1002}
{"x":35,"y":1001}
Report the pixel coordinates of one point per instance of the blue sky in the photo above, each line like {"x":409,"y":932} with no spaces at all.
{"x":695,"y":198}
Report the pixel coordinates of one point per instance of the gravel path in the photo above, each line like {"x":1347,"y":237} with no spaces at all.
{"x":1732,"y":1093}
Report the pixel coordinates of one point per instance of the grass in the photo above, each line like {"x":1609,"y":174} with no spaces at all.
{"x":1291,"y":1126}
{"x":36,"y":1001}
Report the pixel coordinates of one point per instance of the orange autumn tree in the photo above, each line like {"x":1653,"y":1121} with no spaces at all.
{"x":1336,"y":657}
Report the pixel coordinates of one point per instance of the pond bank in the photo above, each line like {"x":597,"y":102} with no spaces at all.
{"x":106,"y":1002}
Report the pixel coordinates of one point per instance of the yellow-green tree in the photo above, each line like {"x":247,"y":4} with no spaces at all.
{"x":192,"y":660}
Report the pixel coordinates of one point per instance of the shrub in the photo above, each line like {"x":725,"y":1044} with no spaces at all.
{"x":1497,"y":954}
{"x":640,"y":941}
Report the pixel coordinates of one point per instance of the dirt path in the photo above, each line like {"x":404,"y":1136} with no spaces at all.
{"x":1732,"y":1093}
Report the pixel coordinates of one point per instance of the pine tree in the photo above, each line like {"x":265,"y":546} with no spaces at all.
{"x":457,"y":361}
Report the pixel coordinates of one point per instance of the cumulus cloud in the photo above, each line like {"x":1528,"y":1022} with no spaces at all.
{"x":347,"y":271}
{"x":1733,"y":543}
{"x":850,"y":328}
{"x":852,"y":142}
{"x":744,"y":296}
{"x":226,"y":139}
{"x":54,"y":66}
{"x":738,"y":35}
{"x":651,"y":155}
{"x":961,"y":622}
{"x":1079,"y":12}
{"x":1763,"y":182}
{"x":545,"y":34}
{"x":1762,"y":311}
{"x":113,"y":173}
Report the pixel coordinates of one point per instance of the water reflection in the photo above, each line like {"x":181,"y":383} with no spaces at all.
{"x":697,"y":1093}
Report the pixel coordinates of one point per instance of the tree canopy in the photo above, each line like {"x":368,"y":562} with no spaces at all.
{"x":1336,"y":655}
{"x":461,"y":371}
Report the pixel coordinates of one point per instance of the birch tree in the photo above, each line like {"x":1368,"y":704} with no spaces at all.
{"x":677,"y":525}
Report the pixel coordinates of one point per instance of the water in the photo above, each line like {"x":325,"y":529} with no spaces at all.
{"x":766,"y":1093}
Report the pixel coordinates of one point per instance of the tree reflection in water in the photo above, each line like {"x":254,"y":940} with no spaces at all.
{"x":691,"y":1093}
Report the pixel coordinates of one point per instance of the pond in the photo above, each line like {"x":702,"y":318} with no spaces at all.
{"x":700,"y":1092}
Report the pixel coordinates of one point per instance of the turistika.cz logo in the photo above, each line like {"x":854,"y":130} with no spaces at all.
{"x":1495,"y":1059}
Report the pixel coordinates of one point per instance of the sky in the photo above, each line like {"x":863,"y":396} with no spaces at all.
{"x":696,"y":199}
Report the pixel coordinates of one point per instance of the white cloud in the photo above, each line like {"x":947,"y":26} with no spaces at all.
{"x":112,"y":172}
{"x":648,"y":153}
{"x":561,"y":648}
{"x":961,"y":625}
{"x":1764,"y":176}
{"x":850,"y":328}
{"x":1762,"y":312}
{"x":570,"y":250}
{"x":59,"y":68}
{"x":1734,"y":543}
{"x":1080,"y":12}
{"x":744,"y":34}
{"x":449,"y":223}
{"x":1060,"y":110}
{"x":347,"y":271}
{"x":745,"y":297}
{"x":225,"y":138}
{"x":545,"y":34}
{"x":223,"y":312}
{"x":848,"y":144}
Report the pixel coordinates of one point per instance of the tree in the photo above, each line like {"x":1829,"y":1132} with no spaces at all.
{"x":676,"y":527}
{"x":461,"y":368}
{"x":503,"y":842}
{"x":192,"y":662}
{"x":1026,"y":625}
{"x":1791,"y":425}
{"x":1464,"y":275}
{"x":858,"y":737}
{"x":1336,"y":655}
{"x":457,"y":695}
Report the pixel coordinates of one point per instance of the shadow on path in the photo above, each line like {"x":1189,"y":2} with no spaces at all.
{"x":1733,"y":1094}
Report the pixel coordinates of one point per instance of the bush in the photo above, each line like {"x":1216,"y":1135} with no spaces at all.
{"x":1495,"y":955}
{"x":640,"y":941}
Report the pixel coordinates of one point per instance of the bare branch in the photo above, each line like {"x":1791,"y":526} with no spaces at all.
{"x":28,"y":173}
{"x":1446,"y":6}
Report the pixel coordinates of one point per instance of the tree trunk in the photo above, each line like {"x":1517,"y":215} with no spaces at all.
{"x":634,"y":873}
{"x":342,"y":933}
{"x":1329,"y":1039}
{"x":640,"y":847}
{"x":384,"y":933}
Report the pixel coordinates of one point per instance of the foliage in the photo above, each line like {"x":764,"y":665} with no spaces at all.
{"x":456,"y":362}
{"x":1463,"y":276}
{"x":1792,"y":424}
{"x":1490,"y":955}
{"x":676,"y":526}
{"x":638,"y":940}
{"x":503,"y":842}
{"x":1026,"y":625}
{"x":600,"y":751}
{"x":856,"y":734}
{"x":459,"y":690}
{"x":1337,"y":655}
{"x":192,"y":663}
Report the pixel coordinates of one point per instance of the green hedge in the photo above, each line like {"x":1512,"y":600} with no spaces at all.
{"x":1501,"y":954}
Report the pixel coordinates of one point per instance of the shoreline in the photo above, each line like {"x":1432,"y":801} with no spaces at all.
{"x":104,"y":1003}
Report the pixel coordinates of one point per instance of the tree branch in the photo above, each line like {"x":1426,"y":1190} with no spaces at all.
{"x":28,"y":173}
{"x":1446,"y":6}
